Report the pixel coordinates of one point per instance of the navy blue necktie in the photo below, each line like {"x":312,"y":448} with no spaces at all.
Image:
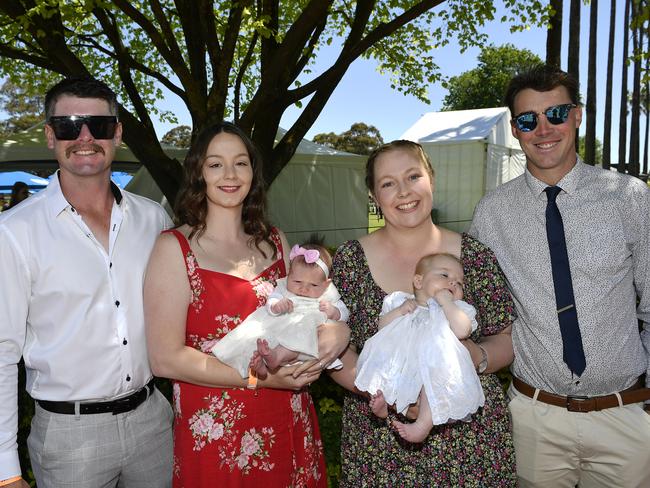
{"x":573,"y":354}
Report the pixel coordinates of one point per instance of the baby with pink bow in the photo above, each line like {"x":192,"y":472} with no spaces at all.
{"x":285,"y":330}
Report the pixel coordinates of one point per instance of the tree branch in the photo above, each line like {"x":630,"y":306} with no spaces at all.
{"x":240,"y":75}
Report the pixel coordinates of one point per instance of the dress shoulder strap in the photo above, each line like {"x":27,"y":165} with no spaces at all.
{"x":188,"y":255}
{"x":275,"y":237}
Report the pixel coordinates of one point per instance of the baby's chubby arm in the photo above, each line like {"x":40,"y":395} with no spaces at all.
{"x":329,"y":309}
{"x":281,"y":306}
{"x":459,"y":321}
{"x":407,"y":307}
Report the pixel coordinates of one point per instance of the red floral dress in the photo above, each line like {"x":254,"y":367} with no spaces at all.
{"x":235,"y":437}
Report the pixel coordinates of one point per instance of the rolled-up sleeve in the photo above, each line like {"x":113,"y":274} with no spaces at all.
{"x":14,"y":300}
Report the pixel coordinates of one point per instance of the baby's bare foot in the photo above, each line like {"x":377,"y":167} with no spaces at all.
{"x":269,"y":355}
{"x":378,"y":405}
{"x":411,"y":432}
{"x":258,"y":366}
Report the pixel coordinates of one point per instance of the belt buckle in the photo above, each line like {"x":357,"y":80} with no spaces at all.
{"x":577,"y":403}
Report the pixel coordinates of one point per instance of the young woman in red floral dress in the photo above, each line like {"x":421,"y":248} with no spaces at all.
{"x":204,"y":278}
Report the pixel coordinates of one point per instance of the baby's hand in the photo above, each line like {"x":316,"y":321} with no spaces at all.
{"x":330,"y":310}
{"x":408,"y":306}
{"x":283,"y":305}
{"x":443,"y":296}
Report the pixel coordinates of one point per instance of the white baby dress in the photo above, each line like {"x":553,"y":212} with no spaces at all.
{"x":296,"y":330}
{"x":419,"y":349}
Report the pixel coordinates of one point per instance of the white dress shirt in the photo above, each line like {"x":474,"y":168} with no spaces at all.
{"x":72,"y":310}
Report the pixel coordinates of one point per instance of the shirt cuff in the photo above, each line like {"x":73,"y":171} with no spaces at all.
{"x":9,"y":464}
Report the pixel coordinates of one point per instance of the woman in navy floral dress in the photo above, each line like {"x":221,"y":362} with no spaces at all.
{"x":478,"y":453}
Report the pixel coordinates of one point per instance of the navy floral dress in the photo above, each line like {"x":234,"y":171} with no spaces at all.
{"x":479,"y":453}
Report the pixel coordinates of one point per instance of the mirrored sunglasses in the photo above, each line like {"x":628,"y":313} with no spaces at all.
{"x":68,"y":127}
{"x":556,"y":115}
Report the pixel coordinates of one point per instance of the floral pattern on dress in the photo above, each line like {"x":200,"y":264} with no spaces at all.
{"x":479,"y":453}
{"x":263,"y":286}
{"x":313,"y":447}
{"x":196,"y":285}
{"x":234,"y":436}
{"x":252,"y":452}
{"x":216,"y":421}
{"x":224,"y":324}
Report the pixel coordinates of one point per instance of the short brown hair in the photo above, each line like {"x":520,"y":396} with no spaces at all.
{"x":541,"y":78}
{"x":81,"y":87}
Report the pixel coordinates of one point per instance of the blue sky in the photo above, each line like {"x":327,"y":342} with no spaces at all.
{"x":364,"y":95}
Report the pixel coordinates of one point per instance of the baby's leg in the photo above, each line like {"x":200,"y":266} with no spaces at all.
{"x":276,"y":357}
{"x":418,"y":430}
{"x":378,"y":405}
{"x":257,"y":363}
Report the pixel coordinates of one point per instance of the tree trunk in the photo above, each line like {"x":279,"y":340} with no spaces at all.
{"x":554,"y":35}
{"x":573,"y":61}
{"x":607,"y":130}
{"x":590,"y":134}
{"x":622,"y":132}
{"x":635,"y":128}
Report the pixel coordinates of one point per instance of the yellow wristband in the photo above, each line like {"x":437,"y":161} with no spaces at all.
{"x":10,"y":480}
{"x":252,"y":381}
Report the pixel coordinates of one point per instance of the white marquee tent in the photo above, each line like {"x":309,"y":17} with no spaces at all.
{"x":472,"y":152}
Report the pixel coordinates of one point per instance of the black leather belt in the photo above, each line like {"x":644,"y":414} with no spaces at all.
{"x":121,"y":405}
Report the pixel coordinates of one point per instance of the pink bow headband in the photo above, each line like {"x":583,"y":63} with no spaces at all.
{"x":310,"y":256}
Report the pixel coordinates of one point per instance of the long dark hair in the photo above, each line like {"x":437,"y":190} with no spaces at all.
{"x":192,"y":207}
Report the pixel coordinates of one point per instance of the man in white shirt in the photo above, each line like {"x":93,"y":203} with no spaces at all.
{"x":73,"y":259}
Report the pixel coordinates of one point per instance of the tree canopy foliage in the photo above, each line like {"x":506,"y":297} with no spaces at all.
{"x":24,"y":110}
{"x":359,"y":139}
{"x":485,"y":85}
{"x":240,"y":60}
{"x":179,"y":136}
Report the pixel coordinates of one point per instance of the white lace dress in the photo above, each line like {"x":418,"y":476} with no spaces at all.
{"x":419,"y":350}
{"x":297,"y":330}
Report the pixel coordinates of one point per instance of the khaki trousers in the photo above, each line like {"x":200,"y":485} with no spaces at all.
{"x":556,"y":448}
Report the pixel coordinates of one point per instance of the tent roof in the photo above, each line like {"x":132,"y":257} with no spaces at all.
{"x":484,"y":124}
{"x":309,"y":147}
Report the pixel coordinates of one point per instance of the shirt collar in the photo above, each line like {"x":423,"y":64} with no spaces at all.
{"x":568,"y":183}
{"x":59,"y":203}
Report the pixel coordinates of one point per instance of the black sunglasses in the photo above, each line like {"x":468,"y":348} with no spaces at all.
{"x":556,"y":115}
{"x":68,"y":127}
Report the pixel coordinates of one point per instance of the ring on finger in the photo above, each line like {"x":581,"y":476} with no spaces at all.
{"x":322,"y":366}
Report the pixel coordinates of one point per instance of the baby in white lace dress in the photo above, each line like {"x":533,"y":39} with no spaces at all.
{"x":285,"y":330}
{"x":417,"y":355}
